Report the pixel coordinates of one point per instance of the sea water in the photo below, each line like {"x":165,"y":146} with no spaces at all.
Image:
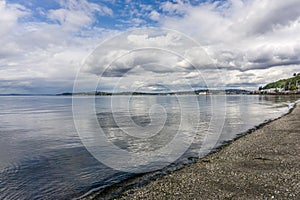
{"x":45,"y":153}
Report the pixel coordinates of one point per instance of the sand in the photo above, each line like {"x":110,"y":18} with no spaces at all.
{"x":264,"y":164}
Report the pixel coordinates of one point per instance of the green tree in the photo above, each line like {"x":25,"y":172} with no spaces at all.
{"x":293,"y":88}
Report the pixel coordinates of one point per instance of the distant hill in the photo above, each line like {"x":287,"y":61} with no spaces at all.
{"x":287,"y":84}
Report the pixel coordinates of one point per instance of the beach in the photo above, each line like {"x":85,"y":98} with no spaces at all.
{"x":264,"y":164}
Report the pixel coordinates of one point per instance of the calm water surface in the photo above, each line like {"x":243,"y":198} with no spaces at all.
{"x":43,"y":156}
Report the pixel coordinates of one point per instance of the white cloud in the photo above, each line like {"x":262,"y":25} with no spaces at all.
{"x":174,"y":8}
{"x":154,"y":15}
{"x":77,"y":13}
{"x":9,"y":16}
{"x":70,"y":18}
{"x":169,"y":39}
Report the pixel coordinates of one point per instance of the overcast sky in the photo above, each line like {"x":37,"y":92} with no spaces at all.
{"x":146,"y":45}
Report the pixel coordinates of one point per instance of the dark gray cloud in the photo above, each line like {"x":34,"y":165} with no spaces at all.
{"x":119,"y":72}
{"x":241,"y":85}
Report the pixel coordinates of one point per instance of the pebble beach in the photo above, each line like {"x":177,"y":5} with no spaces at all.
{"x":264,"y":164}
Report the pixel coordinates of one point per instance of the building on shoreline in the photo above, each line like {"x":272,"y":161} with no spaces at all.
{"x":283,"y":86}
{"x":278,"y":91}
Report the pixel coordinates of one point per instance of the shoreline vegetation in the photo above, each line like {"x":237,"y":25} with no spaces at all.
{"x":264,"y":163}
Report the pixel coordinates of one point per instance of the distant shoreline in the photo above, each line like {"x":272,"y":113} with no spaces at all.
{"x":26,"y":95}
{"x":140,"y":94}
{"x":196,"y":92}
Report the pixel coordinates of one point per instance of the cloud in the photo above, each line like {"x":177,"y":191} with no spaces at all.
{"x":36,"y":54}
{"x":149,"y":56}
{"x":243,"y":35}
{"x":250,"y":42}
{"x":9,"y":16}
{"x":231,"y":41}
{"x":154,"y":15}
{"x":269,"y":16}
{"x":158,"y":41}
{"x":176,"y":8}
{"x":77,"y":13}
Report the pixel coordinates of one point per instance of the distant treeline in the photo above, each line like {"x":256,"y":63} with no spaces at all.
{"x":287,"y":84}
{"x":204,"y":91}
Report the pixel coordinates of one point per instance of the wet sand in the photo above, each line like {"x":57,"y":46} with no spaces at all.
{"x":264,"y":164}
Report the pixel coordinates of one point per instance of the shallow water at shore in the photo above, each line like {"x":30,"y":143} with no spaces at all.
{"x":263,"y":164}
{"x":42,"y":154}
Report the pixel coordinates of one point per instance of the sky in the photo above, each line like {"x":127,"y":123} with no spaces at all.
{"x":112,"y":45}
